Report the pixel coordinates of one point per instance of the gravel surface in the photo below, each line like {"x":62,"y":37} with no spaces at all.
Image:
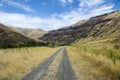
{"x":61,"y":64}
{"x":39,"y":71}
{"x":65,"y":71}
{"x":53,"y":68}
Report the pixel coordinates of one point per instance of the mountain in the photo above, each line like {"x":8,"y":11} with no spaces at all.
{"x":99,"y":27}
{"x":32,"y":33}
{"x":10,"y":38}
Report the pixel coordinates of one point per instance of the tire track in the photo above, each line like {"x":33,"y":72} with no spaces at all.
{"x":65,"y":71}
{"x":53,"y":68}
{"x":41,"y":69}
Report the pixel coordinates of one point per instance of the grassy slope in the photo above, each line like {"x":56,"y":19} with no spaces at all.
{"x":96,"y":60}
{"x":15,"y":63}
{"x":10,"y":38}
{"x":32,"y":33}
{"x":37,"y":33}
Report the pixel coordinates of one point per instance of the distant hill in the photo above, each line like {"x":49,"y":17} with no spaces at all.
{"x":99,"y":27}
{"x":32,"y":33}
{"x":10,"y":38}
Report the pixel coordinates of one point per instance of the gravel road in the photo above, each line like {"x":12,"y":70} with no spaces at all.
{"x":65,"y":71}
{"x":40,"y":70}
{"x":45,"y":71}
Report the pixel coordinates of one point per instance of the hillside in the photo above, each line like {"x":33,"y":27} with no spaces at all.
{"x":99,"y":27}
{"x":36,"y":33}
{"x":32,"y":33}
{"x":10,"y":38}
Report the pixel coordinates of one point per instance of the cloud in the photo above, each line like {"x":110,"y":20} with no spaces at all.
{"x":56,"y":20}
{"x":21,"y":6}
{"x":26,"y":21}
{"x":64,"y":2}
{"x":81,"y":13}
{"x":19,"y":20}
{"x":90,"y":3}
{"x":70,"y":1}
{"x":103,"y":9}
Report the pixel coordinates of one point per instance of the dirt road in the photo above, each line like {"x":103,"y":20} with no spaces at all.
{"x":65,"y":71}
{"x":57,"y":67}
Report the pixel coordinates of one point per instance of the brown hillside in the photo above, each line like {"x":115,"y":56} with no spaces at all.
{"x":32,"y":33}
{"x":99,"y":27}
{"x":10,"y":38}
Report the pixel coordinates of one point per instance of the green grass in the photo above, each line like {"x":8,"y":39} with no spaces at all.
{"x":101,"y":49}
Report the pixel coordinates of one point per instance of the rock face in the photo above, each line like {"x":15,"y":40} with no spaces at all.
{"x":99,"y":27}
{"x":10,"y":38}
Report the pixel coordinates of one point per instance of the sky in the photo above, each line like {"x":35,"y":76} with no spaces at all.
{"x":52,"y":14}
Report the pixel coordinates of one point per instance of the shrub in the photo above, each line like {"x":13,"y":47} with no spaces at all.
{"x":116,"y":46}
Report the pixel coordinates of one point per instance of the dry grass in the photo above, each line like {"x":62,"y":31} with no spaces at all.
{"x":17,"y":62}
{"x":95,"y":62}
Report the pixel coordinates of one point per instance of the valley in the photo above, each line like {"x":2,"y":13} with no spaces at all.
{"x":86,"y":50}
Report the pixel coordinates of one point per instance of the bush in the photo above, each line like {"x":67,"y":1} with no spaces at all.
{"x":116,"y":46}
{"x":6,"y":45}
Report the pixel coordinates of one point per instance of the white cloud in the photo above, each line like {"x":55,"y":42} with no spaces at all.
{"x":26,"y":21}
{"x":21,"y":6}
{"x":103,"y":9}
{"x":56,"y":20}
{"x":73,"y":16}
{"x":90,"y":3}
{"x":64,"y":2}
{"x":70,"y":1}
{"x":19,"y":20}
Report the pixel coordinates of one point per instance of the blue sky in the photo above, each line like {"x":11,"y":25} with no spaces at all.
{"x":52,"y":14}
